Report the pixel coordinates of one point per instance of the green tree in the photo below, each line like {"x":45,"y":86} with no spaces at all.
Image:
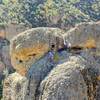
{"x":56,"y":13}
{"x":91,"y":8}
{"x":60,"y":12}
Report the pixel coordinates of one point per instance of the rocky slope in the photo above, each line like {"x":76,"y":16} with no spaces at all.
{"x":75,"y":77}
{"x":85,"y":34}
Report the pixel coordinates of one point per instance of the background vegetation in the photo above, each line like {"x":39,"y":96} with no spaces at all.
{"x":56,"y":13}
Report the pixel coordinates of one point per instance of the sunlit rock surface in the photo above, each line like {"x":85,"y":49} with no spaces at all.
{"x":15,"y":87}
{"x":65,"y":82}
{"x":31,"y":45}
{"x":85,"y":34}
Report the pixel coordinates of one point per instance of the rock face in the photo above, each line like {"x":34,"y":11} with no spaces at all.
{"x":38,"y":72}
{"x":31,"y":45}
{"x":85,"y":34}
{"x":15,"y":87}
{"x":75,"y":77}
{"x":7,"y":32}
{"x":65,"y":82}
{"x":28,"y":54}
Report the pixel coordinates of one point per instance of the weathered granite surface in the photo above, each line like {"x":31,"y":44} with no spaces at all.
{"x":15,"y":87}
{"x":65,"y":82}
{"x":31,"y":45}
{"x":75,"y":77}
{"x":85,"y":34}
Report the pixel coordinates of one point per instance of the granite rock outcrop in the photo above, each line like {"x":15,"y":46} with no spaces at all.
{"x":75,"y":77}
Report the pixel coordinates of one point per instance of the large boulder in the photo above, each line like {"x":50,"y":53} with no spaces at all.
{"x":28,"y":53}
{"x":85,"y":34}
{"x":74,"y":79}
{"x":29,"y":46}
{"x":7,"y":32}
{"x":38,"y":72}
{"x":15,"y":87}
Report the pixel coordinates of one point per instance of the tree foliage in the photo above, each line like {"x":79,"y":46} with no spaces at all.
{"x":56,"y":13}
{"x":62,"y":13}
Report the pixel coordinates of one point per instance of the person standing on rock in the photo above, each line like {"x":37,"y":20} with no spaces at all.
{"x":53,"y":56}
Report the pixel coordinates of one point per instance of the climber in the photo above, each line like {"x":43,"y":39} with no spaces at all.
{"x":67,"y":46}
{"x":53,"y":56}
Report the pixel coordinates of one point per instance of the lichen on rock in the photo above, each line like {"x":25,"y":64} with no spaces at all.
{"x":65,"y":82}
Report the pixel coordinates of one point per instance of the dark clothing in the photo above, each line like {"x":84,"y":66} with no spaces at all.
{"x":51,"y":58}
{"x":61,"y":49}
